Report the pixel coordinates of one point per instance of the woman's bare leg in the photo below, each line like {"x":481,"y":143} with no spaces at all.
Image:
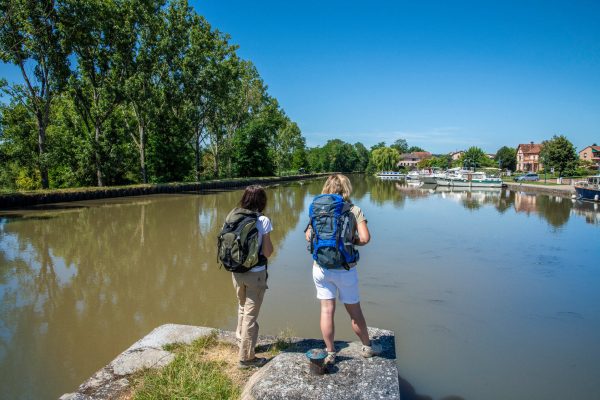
{"x":359,"y":325}
{"x":327,"y":324}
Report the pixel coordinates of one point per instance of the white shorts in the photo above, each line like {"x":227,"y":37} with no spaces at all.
{"x":330,"y":281}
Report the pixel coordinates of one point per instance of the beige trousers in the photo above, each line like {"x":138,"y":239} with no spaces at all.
{"x":250,"y":289}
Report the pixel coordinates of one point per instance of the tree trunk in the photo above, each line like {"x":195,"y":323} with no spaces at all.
{"x":97,"y":155}
{"x":142,"y":133}
{"x":216,"y":162}
{"x":42,"y":151}
{"x":197,"y":153}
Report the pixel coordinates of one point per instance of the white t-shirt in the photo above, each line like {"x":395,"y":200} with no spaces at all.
{"x":264,"y":226}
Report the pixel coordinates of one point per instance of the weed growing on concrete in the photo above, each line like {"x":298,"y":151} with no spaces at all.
{"x":195,"y":373}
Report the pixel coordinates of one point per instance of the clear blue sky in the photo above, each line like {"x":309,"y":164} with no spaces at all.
{"x":444,"y":75}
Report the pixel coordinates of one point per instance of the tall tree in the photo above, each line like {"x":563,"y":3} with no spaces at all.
{"x":29,"y":36}
{"x":506,"y":157}
{"x":363,"y":156}
{"x":288,"y":141}
{"x":98,"y":35}
{"x":385,"y":158}
{"x":558,"y":153}
{"x":475,"y":157}
{"x":144,"y":25}
{"x":401,"y":145}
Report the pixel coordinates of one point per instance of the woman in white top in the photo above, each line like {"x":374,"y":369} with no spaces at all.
{"x":250,"y":286}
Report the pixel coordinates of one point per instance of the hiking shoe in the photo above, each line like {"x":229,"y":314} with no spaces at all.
{"x":257,"y":362}
{"x":370,"y":351}
{"x":329,"y":359}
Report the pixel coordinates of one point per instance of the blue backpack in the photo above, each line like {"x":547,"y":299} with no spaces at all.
{"x":332,"y":233}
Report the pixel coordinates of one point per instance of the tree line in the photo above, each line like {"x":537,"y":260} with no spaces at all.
{"x":117,"y":92}
{"x":134,"y":91}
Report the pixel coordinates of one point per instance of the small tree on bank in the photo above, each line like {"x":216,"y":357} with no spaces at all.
{"x":558,"y":153}
{"x":506,"y":158}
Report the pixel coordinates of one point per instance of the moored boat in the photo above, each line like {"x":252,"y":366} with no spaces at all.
{"x":470,"y":179}
{"x":390,"y":175}
{"x":589,"y":189}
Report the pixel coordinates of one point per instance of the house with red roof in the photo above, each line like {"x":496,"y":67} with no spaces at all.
{"x":410,"y":160}
{"x":591,"y":153}
{"x":528,"y":157}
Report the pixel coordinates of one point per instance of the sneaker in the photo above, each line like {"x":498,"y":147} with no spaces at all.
{"x":370,"y":351}
{"x":329,"y":359}
{"x":257,"y":362}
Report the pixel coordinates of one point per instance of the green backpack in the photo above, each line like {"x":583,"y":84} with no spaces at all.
{"x":238,"y":249}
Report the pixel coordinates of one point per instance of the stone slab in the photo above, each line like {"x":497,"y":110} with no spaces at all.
{"x":170,"y":334}
{"x":135,"y":360}
{"x":352,"y":378}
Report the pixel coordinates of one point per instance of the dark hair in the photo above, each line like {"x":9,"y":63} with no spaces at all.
{"x":254,"y":198}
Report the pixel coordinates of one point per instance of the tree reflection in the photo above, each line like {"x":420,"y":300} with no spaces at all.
{"x":81,"y":286}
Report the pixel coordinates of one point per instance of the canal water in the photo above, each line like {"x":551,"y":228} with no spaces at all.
{"x":492,"y":294}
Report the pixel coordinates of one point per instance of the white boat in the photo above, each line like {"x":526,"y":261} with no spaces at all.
{"x":469,"y":179}
{"x":413,"y":175}
{"x":391,"y":175}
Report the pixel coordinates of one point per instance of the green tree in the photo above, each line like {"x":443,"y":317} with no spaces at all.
{"x":379,"y":145}
{"x":385,"y":158}
{"x":506,"y":158}
{"x":18,"y":147}
{"x":288,"y":142}
{"x":558,"y":153}
{"x":474,"y":157}
{"x":144,"y":24}
{"x":99,"y":38}
{"x":414,"y":149}
{"x":401,"y":145}
{"x":30,"y":39}
{"x":362,"y":155}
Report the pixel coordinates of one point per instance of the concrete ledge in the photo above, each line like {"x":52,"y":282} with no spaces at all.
{"x":286,"y":376}
{"x":558,"y":190}
{"x":24,"y":199}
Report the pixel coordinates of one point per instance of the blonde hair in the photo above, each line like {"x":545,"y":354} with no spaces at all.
{"x":338,"y":184}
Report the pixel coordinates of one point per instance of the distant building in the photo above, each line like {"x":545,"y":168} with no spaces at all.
{"x":456,"y":155}
{"x":490,"y":156}
{"x":410,"y":160}
{"x":591,"y":153}
{"x":528,"y":157}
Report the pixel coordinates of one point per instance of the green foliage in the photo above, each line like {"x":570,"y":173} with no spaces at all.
{"x":385,"y":158}
{"x":363,"y":157}
{"x":506,"y":158}
{"x":153,"y":93}
{"x":559,"y":153}
{"x":474,"y":157}
{"x":188,"y":376}
{"x":379,"y":145}
{"x":442,"y":162}
{"x":401,"y":145}
{"x":335,"y":156}
{"x":414,"y":149}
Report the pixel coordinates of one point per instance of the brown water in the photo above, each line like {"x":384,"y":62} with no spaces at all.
{"x":492,"y":295}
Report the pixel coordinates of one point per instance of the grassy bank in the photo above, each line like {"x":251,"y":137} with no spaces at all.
{"x":205,"y":369}
{"x":30,"y":198}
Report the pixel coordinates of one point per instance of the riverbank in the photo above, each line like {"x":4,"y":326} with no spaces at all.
{"x":285,"y":376}
{"x":27,"y":199}
{"x":557,"y":190}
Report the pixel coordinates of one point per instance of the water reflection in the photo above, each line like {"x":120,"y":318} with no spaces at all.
{"x":555,"y":210}
{"x":70,"y":281}
{"x":80,"y":283}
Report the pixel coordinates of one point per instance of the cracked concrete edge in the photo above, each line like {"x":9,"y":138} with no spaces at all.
{"x":148,"y":352}
{"x":111,"y":380}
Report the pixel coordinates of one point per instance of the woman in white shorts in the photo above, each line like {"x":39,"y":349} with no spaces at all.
{"x":331,"y":282}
